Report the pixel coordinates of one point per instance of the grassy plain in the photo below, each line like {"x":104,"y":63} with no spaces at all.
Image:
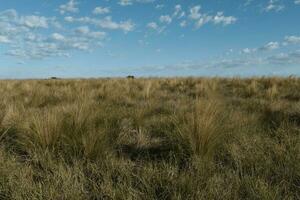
{"x":177,"y":138}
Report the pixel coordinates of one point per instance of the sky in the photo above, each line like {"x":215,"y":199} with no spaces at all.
{"x":113,"y":38}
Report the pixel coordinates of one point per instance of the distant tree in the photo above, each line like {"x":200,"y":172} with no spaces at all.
{"x":130,"y":77}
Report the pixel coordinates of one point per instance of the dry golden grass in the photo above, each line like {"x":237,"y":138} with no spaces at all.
{"x":176,"y":138}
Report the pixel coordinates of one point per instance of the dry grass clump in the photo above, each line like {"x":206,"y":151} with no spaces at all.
{"x":205,"y":127}
{"x":176,"y":138}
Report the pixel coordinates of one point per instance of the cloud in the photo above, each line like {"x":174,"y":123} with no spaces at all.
{"x":58,"y":37}
{"x":203,"y":18}
{"x":38,"y":51}
{"x":159,"y":6}
{"x":248,"y":50}
{"x":267,"y":47}
{"x":13,"y":25}
{"x":178,"y":13}
{"x":292,"y":39}
{"x":105,"y":23}
{"x":56,"y":45}
{"x":288,"y":40}
{"x":183,"y":23}
{"x":69,"y":19}
{"x":297,"y":2}
{"x":274,"y":5}
{"x":26,"y":41}
{"x":285,"y":58}
{"x":8,"y":15}
{"x":4,"y":39}
{"x":34,"y":21}
{"x":85,"y":31}
{"x":70,"y":6}
{"x":131,"y":2}
{"x":125,"y":2}
{"x":154,"y":26}
{"x":248,"y":2}
{"x":270,"y":46}
{"x":177,"y":9}
{"x":245,"y":63}
{"x":195,"y":15}
{"x":165,"y":19}
{"x":221,"y":19}
{"x":195,"y":12}
{"x":101,"y":10}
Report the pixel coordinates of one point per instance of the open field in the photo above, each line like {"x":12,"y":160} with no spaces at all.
{"x":180,"y":138}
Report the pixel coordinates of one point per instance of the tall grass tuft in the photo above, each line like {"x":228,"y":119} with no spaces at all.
{"x":205,"y":127}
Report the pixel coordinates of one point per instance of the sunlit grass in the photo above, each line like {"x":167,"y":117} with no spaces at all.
{"x":177,"y":138}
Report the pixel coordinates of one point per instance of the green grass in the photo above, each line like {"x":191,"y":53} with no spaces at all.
{"x":179,"y":138}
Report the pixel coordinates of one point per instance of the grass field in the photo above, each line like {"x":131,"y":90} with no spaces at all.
{"x":179,"y":138}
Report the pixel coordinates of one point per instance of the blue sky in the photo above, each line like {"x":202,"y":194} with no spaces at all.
{"x":96,"y":38}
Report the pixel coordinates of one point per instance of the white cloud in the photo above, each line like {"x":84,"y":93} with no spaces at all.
{"x":221,"y":19}
{"x":177,"y":9}
{"x":297,"y":2}
{"x":248,"y":50}
{"x":34,"y":21}
{"x":83,"y":30}
{"x":198,"y":18}
{"x":130,"y":2}
{"x":245,"y":63}
{"x":4,"y":39}
{"x":178,"y":12}
{"x":194,"y":12}
{"x":248,"y":2}
{"x":125,"y":2}
{"x":58,"y":37}
{"x":203,"y":18}
{"x":55,"y":23}
{"x":97,"y":34}
{"x":165,"y":19}
{"x":274,"y":5}
{"x":267,"y":47}
{"x":8,"y":15}
{"x":285,"y":58}
{"x":27,"y":42}
{"x":154,"y":26}
{"x":70,"y":6}
{"x":33,"y":37}
{"x":159,"y":6}
{"x":183,"y":23}
{"x":39,"y":50}
{"x":81,"y":46}
{"x":288,"y":40}
{"x":101,"y":10}
{"x":270,"y":46}
{"x":106,"y":23}
{"x":69,"y":19}
{"x":292,"y":39}
{"x":56,"y":45}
